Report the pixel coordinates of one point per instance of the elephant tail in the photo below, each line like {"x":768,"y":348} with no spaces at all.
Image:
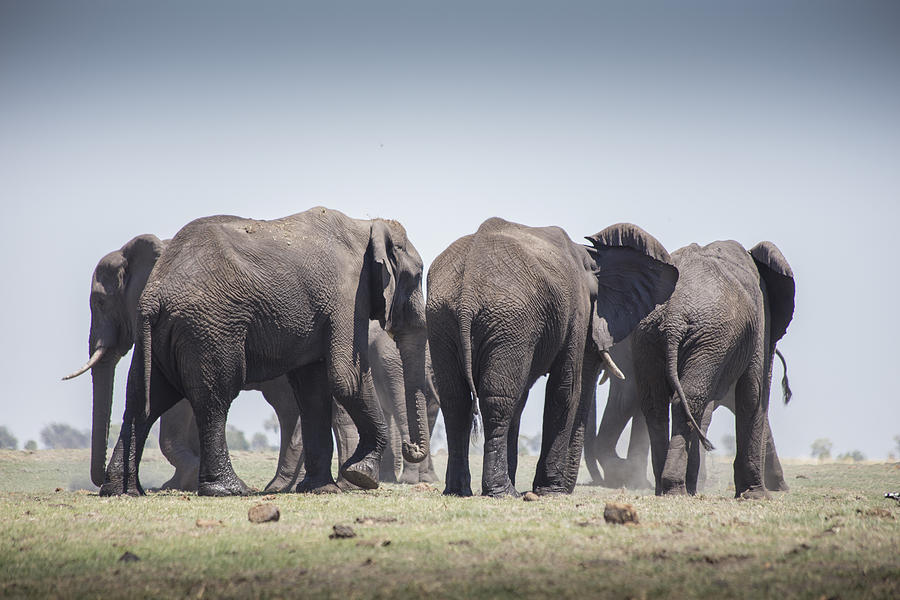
{"x":786,"y":392}
{"x":465,"y":339}
{"x":672,"y":376}
{"x":147,"y":347}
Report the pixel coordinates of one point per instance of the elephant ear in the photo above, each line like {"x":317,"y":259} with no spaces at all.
{"x":634,"y":273}
{"x":141,"y":254}
{"x":383,"y":273}
{"x":779,"y":278}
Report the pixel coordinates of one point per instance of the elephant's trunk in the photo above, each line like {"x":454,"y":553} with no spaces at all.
{"x":93,"y":360}
{"x":102,"y":376}
{"x":411,"y":343}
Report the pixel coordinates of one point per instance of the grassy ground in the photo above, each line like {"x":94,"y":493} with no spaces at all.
{"x":832,"y":536}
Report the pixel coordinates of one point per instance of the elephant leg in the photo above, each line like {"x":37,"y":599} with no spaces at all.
{"x":122,"y":472}
{"x":497,"y":413}
{"x":590,"y":373}
{"x":563,"y":427}
{"x":310,"y":385}
{"x":612,"y":424}
{"x":675,"y":468}
{"x":638,"y":452}
{"x":695,"y":476}
{"x":280,"y":395}
{"x":456,"y":403}
{"x":656,"y":415}
{"x":512,"y":439}
{"x":774,"y":474}
{"x":361,"y":469}
{"x":217,"y":476}
{"x":347,"y":438}
{"x":750,"y":433}
{"x":392,"y":457}
{"x":179,"y":441}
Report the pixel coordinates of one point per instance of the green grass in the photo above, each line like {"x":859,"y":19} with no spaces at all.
{"x":833,"y":535}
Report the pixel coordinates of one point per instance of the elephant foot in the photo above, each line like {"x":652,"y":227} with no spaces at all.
{"x":409,"y":476}
{"x":361,"y":475}
{"x":508,"y":490}
{"x":389,"y":476}
{"x":282,"y":484}
{"x":232,"y":487}
{"x":326,"y":488}
{"x":113,"y":489}
{"x":551,"y":490}
{"x":753,"y":493}
{"x":345,"y":486}
{"x":777,"y":485}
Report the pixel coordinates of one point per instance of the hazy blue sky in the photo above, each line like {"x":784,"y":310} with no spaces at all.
{"x":697,"y":121}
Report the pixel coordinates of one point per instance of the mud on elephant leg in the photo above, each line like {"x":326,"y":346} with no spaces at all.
{"x":362,"y":468}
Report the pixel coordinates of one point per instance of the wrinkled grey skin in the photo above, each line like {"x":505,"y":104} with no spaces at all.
{"x":716,"y":335}
{"x":387,"y":375}
{"x":623,"y":405}
{"x":510,"y":303}
{"x":116,"y":284}
{"x":234,"y":302}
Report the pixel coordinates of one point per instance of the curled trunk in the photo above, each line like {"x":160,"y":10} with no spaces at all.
{"x":411,"y":344}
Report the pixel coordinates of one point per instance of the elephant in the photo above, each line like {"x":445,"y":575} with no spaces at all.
{"x":714,"y":337}
{"x":623,"y":405}
{"x":511,"y":303}
{"x":387,"y":376}
{"x":234,"y":301}
{"x":116,"y":284}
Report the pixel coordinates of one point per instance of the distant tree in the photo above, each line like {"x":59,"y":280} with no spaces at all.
{"x":729,"y":444}
{"x":60,"y":435}
{"x":534,"y":443}
{"x":897,"y":441}
{"x":854,"y":455}
{"x":114,"y":429}
{"x":235,"y":439}
{"x":7,"y":440}
{"x":272,"y":424}
{"x":821,"y":449}
{"x":259,"y":443}
{"x":31,"y":445}
{"x":523,"y":445}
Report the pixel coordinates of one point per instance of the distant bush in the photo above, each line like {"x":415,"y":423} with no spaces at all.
{"x":60,"y":435}
{"x":729,"y":444}
{"x":821,"y":449}
{"x":235,"y":438}
{"x":7,"y":440}
{"x":31,"y":445}
{"x":259,"y":443}
{"x":854,"y":455}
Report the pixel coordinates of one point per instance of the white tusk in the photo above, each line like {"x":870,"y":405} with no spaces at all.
{"x":93,"y":360}
{"x":604,"y":378}
{"x":611,"y":366}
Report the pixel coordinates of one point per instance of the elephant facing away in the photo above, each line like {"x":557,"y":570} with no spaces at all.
{"x":116,"y":284}
{"x":235,"y":301}
{"x":511,"y":303}
{"x":387,"y":376}
{"x":715,"y":336}
{"x":623,"y":405}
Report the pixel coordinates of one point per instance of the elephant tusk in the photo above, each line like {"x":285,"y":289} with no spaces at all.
{"x":604,"y":378}
{"x":93,"y":360}
{"x":611,"y":366}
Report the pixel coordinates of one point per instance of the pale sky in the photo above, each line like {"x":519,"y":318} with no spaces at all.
{"x":698,"y":121}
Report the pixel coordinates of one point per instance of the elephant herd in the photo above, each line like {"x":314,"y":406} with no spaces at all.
{"x":326,"y":316}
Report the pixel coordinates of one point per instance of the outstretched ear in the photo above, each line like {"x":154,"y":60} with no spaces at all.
{"x":776,"y":272}
{"x":141,"y":254}
{"x":634,"y":273}
{"x":383,"y":273}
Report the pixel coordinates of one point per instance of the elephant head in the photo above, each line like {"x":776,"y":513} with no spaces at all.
{"x":398,"y":304}
{"x":116,"y":285}
{"x":633,"y":274}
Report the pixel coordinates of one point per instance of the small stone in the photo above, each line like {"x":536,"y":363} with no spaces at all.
{"x":620,"y":513}
{"x":262,"y":513}
{"x":210,"y":523}
{"x":530,"y":497}
{"x":342,"y":532}
{"x":129,"y":557}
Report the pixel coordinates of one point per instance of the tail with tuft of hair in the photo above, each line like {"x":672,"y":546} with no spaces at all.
{"x":465,"y":338}
{"x":786,"y":392}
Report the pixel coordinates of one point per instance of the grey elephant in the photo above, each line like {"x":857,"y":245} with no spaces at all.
{"x":622,"y":406}
{"x":235,"y":301}
{"x":387,"y":376}
{"x":116,"y":284}
{"x":511,"y":303}
{"x":715,"y":336}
